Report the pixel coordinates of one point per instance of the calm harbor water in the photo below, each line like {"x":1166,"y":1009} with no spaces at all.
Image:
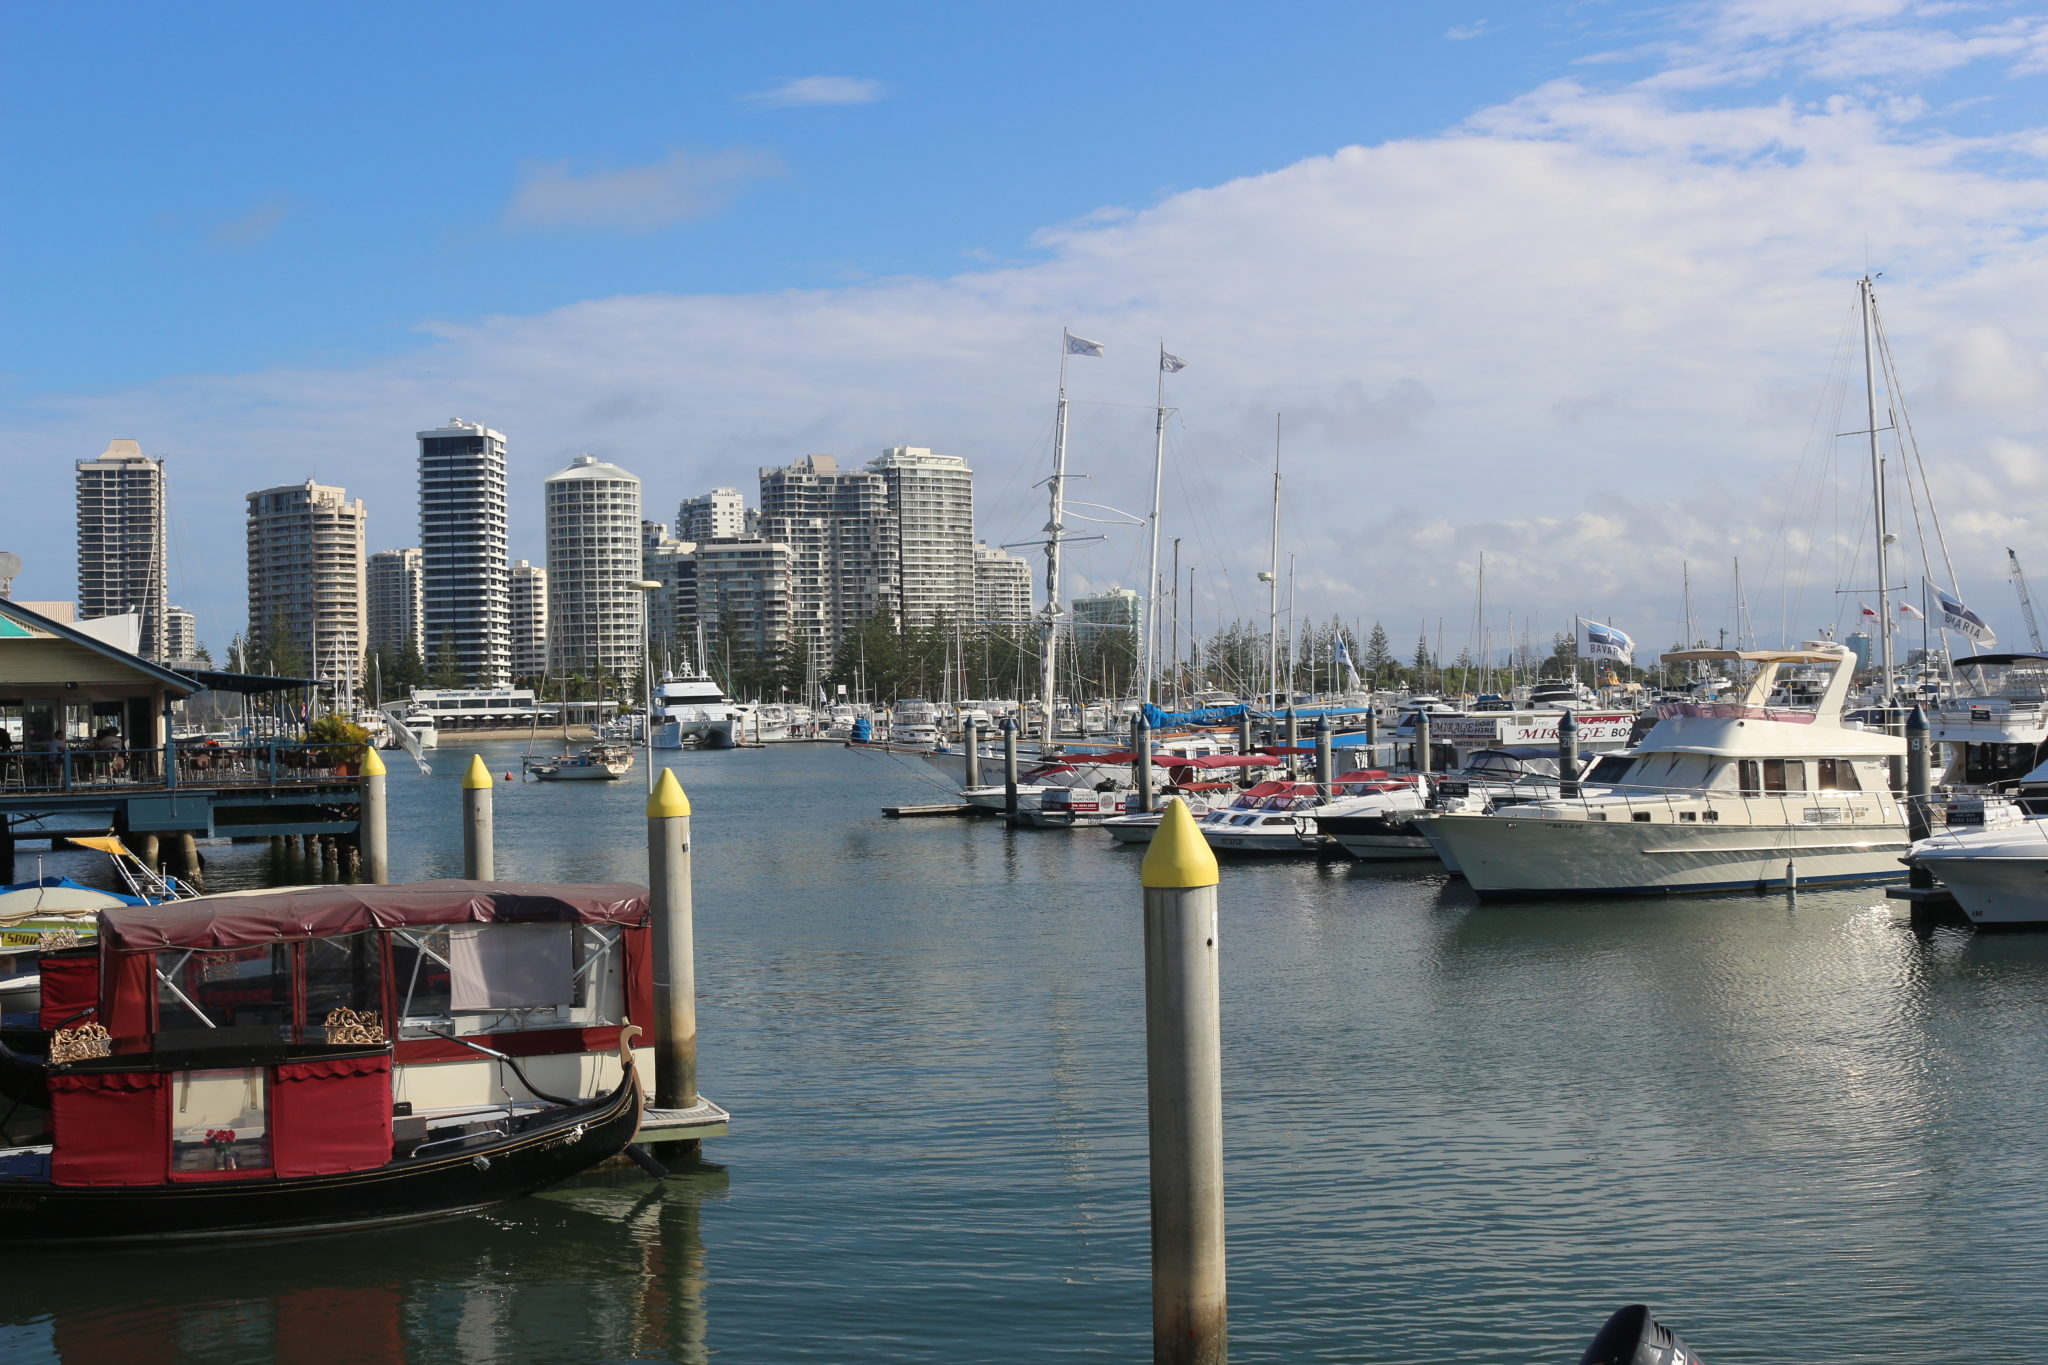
{"x":1456,"y":1133}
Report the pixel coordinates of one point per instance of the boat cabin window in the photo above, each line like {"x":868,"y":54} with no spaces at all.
{"x":1837,"y":775}
{"x":235,"y":988}
{"x":1612,"y":768}
{"x":345,"y":973}
{"x":1784,"y":774}
{"x":220,"y":1122}
{"x":420,"y":976}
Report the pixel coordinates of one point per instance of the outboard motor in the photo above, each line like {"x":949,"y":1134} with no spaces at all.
{"x":1633,"y":1337}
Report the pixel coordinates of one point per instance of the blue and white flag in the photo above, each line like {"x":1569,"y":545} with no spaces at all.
{"x":1605,"y":642}
{"x":1344,"y":658}
{"x":1960,"y":619}
{"x":1081,"y":345}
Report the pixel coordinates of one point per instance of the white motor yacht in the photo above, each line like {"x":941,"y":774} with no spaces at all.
{"x":1993,"y":859}
{"x":1375,"y":822}
{"x":1717,"y":796}
{"x":693,"y":711}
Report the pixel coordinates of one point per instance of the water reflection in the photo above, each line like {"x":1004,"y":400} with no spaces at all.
{"x":610,"y":1266}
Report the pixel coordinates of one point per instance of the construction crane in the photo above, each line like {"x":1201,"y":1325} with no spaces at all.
{"x":2019,"y":585}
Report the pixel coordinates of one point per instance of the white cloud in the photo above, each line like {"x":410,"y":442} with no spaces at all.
{"x":679,"y":187}
{"x":1587,"y":333}
{"x":254,"y":227}
{"x":1458,"y":33}
{"x":815,"y":90}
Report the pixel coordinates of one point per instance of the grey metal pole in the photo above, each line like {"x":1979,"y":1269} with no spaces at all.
{"x":1422,"y":741}
{"x":1293,"y":742}
{"x":1184,"y":1094}
{"x":1326,"y":756}
{"x":371,"y":829}
{"x":479,"y":857}
{"x":675,"y":966}
{"x":1010,"y":767}
{"x":1372,"y":736}
{"x":1244,"y":732}
{"x":1919,"y":788}
{"x":970,"y":733}
{"x":1567,"y":757}
{"x":1141,"y":742}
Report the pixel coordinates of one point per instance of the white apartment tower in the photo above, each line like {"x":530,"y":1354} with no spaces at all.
{"x":672,"y":612}
{"x":719,"y":514}
{"x":121,"y":541}
{"x":181,"y":637}
{"x":1002,"y":587}
{"x":841,"y":533}
{"x":306,"y":575}
{"x":529,"y":620}
{"x":594,"y":612}
{"x":467,"y":583}
{"x":397,"y":602}
{"x":932,"y":497}
{"x":744,"y":580}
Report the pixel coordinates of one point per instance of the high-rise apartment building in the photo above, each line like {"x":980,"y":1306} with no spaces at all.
{"x":306,"y":577}
{"x":467,"y":583}
{"x":397,"y":602}
{"x":122,"y":534}
{"x":672,"y":612}
{"x":1112,"y":614}
{"x":744,"y":581}
{"x":593,"y":511}
{"x":841,"y":534}
{"x":181,"y":636}
{"x":719,"y":514}
{"x":1002,"y":586}
{"x":932,"y":499}
{"x":529,"y":620}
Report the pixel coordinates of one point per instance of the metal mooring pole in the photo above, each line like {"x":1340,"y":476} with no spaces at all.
{"x":1010,"y":768}
{"x":1184,"y":1094}
{"x":1141,"y":744}
{"x":479,"y":859}
{"x":970,"y":737}
{"x":1567,"y":757}
{"x":1326,"y":758}
{"x":372,"y":827}
{"x":675,"y":965}
{"x":1919,"y":789}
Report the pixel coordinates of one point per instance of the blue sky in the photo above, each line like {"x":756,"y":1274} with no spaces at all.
{"x":1605,"y":241}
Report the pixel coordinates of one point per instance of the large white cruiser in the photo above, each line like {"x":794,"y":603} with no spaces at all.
{"x":694,"y":710}
{"x":1718,"y":796}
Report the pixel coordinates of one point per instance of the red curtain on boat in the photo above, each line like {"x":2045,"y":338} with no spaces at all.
{"x":128,"y":994}
{"x":111,"y":1128}
{"x":330,"y":1116}
{"x":70,"y":985}
{"x":640,"y":982}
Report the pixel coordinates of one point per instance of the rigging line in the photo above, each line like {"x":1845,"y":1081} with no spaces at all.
{"x":1912,"y":438}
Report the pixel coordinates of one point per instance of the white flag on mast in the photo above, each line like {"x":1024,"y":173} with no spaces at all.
{"x":1960,"y":619}
{"x":1080,"y":345}
{"x":1171,"y":363}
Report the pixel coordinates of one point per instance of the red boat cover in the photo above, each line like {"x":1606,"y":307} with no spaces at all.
{"x":111,"y":1128}
{"x":324,"y":911}
{"x":1218,"y":761}
{"x":330,"y":1116}
{"x":70,"y":985}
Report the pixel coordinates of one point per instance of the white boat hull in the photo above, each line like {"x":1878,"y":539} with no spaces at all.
{"x":1503,"y":855}
{"x":1998,"y":877}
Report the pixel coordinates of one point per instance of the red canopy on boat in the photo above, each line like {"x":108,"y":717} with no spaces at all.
{"x":214,"y":922}
{"x":1217,"y":761}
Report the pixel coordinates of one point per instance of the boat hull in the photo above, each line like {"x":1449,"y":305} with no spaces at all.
{"x":2001,"y":890}
{"x":1503,"y":856}
{"x":1374,"y":838}
{"x":463,"y":1180}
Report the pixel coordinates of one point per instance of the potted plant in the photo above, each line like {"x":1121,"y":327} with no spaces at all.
{"x":341,"y":740}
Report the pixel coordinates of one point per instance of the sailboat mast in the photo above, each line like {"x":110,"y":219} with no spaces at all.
{"x":1055,"y":527}
{"x":1147,"y":665}
{"x":1884,"y":575}
{"x":1273,"y":582}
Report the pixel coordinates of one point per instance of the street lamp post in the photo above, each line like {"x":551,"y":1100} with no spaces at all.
{"x":646,"y":587}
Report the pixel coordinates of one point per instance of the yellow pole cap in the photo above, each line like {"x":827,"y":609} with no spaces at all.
{"x":478,"y":777}
{"x":668,"y":801}
{"x":1179,"y":857}
{"x":373,"y":766}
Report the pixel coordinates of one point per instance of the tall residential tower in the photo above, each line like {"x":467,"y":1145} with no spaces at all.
{"x":397,"y":605}
{"x":121,"y":541}
{"x":306,"y":578}
{"x":932,"y":497}
{"x":594,"y":612}
{"x":467,"y":583}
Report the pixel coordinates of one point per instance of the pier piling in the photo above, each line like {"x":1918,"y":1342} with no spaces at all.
{"x":1422,"y":742}
{"x":1184,"y":1094}
{"x":1010,"y":768}
{"x":1293,"y":734}
{"x":188,"y":858}
{"x":970,"y":734}
{"x":372,"y":831}
{"x":1326,"y":757}
{"x":479,"y":857}
{"x":1141,"y":745}
{"x":1244,"y":732}
{"x":1919,"y":791}
{"x":675,"y":968}
{"x":1567,"y":757}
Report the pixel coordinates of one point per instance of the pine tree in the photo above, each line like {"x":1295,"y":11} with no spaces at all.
{"x":1379,"y":655}
{"x":447,"y":671}
{"x":1423,"y":663}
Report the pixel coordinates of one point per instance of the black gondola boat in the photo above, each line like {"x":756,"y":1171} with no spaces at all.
{"x":309,"y":1135}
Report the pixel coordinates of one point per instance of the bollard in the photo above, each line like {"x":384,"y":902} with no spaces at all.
{"x":675,"y":968}
{"x":1567,"y":757}
{"x":1010,"y":768}
{"x":1919,"y":791}
{"x":1326,"y":757}
{"x":1184,"y":1094}
{"x":372,"y":829}
{"x":1372,"y":737}
{"x":1244,"y":732}
{"x":1141,"y":772}
{"x":970,"y":732}
{"x":1422,"y":742}
{"x":1293,"y":743}
{"x":479,"y":858}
